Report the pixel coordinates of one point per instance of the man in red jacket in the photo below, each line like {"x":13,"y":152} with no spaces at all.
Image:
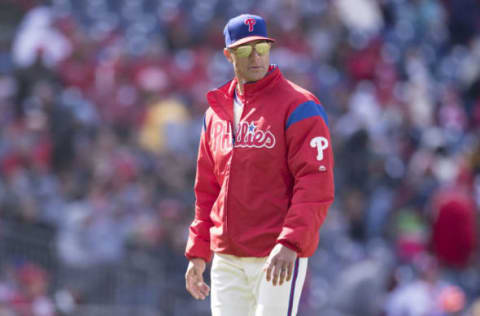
{"x":263,"y":186}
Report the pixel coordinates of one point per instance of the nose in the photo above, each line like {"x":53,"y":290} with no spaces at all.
{"x":254,"y":54}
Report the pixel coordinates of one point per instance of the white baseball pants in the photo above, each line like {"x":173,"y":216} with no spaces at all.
{"x":239,"y":288}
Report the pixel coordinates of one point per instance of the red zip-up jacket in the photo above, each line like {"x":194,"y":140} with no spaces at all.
{"x":272,"y":181}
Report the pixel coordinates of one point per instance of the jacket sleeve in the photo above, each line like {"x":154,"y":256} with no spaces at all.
{"x":206,"y":192}
{"x":310,"y":159}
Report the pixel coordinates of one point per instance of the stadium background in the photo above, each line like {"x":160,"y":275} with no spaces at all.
{"x":101,"y":104}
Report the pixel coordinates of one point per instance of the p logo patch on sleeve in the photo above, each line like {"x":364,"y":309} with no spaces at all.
{"x":321,"y":143}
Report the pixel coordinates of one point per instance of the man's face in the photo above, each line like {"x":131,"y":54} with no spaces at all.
{"x":251,"y":67}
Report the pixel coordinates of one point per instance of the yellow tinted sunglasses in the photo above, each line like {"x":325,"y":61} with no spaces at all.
{"x":245,"y":50}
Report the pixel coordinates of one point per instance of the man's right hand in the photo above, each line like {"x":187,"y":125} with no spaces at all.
{"x":194,"y":279}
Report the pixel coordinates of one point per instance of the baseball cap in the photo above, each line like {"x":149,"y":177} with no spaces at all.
{"x":245,"y":28}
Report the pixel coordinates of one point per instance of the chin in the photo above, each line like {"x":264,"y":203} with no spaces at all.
{"x":257,"y":76}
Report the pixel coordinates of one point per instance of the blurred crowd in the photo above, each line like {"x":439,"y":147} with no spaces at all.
{"x":101,"y":107}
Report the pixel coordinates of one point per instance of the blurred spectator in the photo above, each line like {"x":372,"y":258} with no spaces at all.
{"x":166,"y":127}
{"x":37,"y":38}
{"x":32,"y":300}
{"x":428,"y":295}
{"x":454,"y":227}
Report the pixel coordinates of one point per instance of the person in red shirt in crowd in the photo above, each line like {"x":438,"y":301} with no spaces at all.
{"x":454,"y":227}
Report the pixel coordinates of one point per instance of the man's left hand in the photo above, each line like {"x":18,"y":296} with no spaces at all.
{"x":280,"y":264}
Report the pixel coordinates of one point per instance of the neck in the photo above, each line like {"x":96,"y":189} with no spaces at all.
{"x":240,"y":84}
{"x":240,"y":87}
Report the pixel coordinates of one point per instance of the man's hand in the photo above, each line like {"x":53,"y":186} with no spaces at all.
{"x":280,"y":264}
{"x":194,"y":279}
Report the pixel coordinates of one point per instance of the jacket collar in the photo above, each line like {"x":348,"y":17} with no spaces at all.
{"x":251,"y":88}
{"x":225,"y":94}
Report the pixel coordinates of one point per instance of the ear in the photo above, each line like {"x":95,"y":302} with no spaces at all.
{"x":228,"y":54}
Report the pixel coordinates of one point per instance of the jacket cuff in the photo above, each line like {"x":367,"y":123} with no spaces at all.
{"x":289,"y":245}
{"x":191,"y":256}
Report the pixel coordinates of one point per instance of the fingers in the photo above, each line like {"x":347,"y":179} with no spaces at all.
{"x":201,"y":290}
{"x":289,"y":272}
{"x":197,"y":288}
{"x":195,"y":284}
{"x":268,"y":270}
{"x":281,"y":274}
{"x":278,"y":272}
{"x":279,"y":265}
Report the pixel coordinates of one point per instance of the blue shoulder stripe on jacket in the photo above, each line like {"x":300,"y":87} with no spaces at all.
{"x":205,"y":122}
{"x":306,"y":110}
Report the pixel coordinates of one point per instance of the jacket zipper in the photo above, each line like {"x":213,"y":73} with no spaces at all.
{"x":229,"y":165}
{"x":232,"y":130}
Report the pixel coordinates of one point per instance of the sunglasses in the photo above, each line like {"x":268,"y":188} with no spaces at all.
{"x":245,"y":50}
